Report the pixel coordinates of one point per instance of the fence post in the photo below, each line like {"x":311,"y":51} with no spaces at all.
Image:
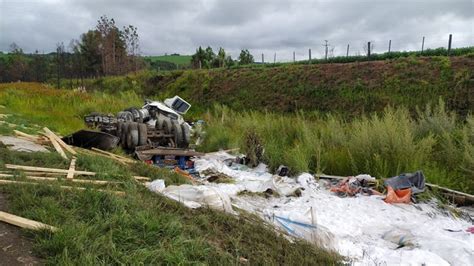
{"x":326,"y":50}
{"x":389,"y":45}
{"x":347,"y":53}
{"x":368,"y":49}
{"x":449,"y":43}
{"x":423,"y":44}
{"x":309,"y":52}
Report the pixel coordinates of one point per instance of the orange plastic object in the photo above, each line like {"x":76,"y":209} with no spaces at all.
{"x":398,"y":196}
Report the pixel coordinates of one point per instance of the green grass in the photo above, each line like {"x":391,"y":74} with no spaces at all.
{"x":61,"y":110}
{"x":139,"y":228}
{"x":182,"y":60}
{"x":436,"y":141}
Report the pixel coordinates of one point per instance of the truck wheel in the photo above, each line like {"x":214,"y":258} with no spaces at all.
{"x":142,"y":134}
{"x":118,"y":132}
{"x":166,"y":126}
{"x":186,"y":135}
{"x":178,"y":134}
{"x":123,"y":135}
{"x":132,"y":135}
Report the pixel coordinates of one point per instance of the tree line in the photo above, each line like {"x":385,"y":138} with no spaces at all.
{"x":206,"y":58}
{"x":102,"y":51}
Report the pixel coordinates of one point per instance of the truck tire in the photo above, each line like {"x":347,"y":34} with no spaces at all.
{"x":178,"y":134}
{"x":142,"y":134}
{"x":118,"y":132}
{"x":132,"y":135}
{"x":186,"y":135}
{"x":166,"y":126}
{"x":124,"y":133}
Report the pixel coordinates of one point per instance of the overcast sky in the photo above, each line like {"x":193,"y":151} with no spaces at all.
{"x":281,"y":27}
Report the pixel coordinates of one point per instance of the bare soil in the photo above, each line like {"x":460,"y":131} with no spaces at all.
{"x":15,"y":248}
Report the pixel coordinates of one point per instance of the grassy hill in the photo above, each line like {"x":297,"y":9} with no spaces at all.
{"x":348,"y":89}
{"x":181,"y":60}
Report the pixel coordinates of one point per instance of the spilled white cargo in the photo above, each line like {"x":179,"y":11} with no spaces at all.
{"x":365,"y":229}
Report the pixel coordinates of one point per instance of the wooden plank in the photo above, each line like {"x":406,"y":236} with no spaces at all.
{"x":85,"y":181}
{"x":468,"y":196}
{"x":57,"y":147}
{"x":139,"y":178}
{"x":24,"y":135}
{"x":93,"y":153}
{"x":43,"y":169}
{"x":60,"y":141}
{"x":24,"y":223}
{"x":7,"y":182}
{"x":113,"y":155}
{"x":175,"y":152}
{"x":72,"y":167}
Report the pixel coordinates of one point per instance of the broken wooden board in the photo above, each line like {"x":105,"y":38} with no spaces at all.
{"x":72,"y":167}
{"x":43,"y":169}
{"x":60,"y":141}
{"x":170,"y":151}
{"x":122,"y":158}
{"x":7,"y":182}
{"x":85,"y":181}
{"x":56,"y":146}
{"x":24,"y":222}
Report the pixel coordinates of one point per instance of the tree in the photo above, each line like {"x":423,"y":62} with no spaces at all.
{"x":245,"y":57}
{"x":91,"y":54}
{"x":17,"y":65}
{"x":219,"y":61}
{"x":198,"y":59}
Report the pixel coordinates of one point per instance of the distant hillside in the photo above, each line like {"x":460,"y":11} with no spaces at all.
{"x":348,"y":89}
{"x":181,"y":60}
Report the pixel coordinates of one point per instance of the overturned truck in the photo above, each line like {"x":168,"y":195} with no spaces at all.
{"x":155,"y":124}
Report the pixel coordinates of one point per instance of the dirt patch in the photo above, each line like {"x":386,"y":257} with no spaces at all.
{"x":15,"y":248}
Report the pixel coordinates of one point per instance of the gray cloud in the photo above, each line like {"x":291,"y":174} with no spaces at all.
{"x":269,"y":27}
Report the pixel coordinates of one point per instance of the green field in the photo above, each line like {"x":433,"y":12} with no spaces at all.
{"x":182,"y":60}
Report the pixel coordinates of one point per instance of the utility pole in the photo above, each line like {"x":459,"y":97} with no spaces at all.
{"x":274,"y":58}
{"x":368,"y":49}
{"x":263,"y":60}
{"x":294,"y":57}
{"x":449,"y":43}
{"x":347,"y":52}
{"x":390,"y":45}
{"x":326,"y":50}
{"x":309,"y":51}
{"x":423,"y":44}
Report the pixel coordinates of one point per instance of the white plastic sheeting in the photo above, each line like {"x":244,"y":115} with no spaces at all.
{"x":365,"y":229}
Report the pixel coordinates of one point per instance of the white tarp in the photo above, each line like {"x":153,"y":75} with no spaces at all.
{"x":365,"y":229}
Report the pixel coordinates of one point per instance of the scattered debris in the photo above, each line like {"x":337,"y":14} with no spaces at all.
{"x":25,"y":223}
{"x":362,"y":228}
{"x":44,"y":169}
{"x":19,"y":144}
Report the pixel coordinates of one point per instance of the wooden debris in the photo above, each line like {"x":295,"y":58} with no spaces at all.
{"x":140,"y":178}
{"x":43,"y":169}
{"x":85,"y":181}
{"x":60,"y":141}
{"x":113,"y":155}
{"x":72,"y":167}
{"x":25,"y":223}
{"x":3,"y":181}
{"x":56,"y":146}
{"x":450,"y":191}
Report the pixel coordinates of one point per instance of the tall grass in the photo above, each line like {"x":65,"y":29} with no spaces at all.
{"x":61,"y":110}
{"x":382,"y":145}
